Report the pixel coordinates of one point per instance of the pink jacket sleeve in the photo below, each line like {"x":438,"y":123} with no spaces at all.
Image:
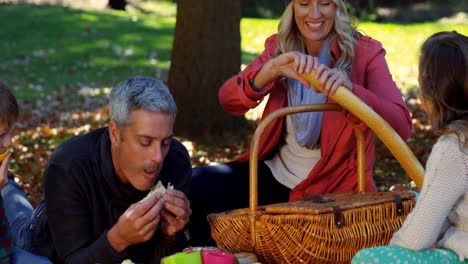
{"x":236,"y":96}
{"x":379,"y":90}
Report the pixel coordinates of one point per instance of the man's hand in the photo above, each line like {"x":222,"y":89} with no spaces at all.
{"x":176,"y":212}
{"x":4,"y":171}
{"x":137,"y":224}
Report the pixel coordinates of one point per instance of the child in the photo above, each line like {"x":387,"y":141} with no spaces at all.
{"x":8,"y":115}
{"x":9,"y":250}
{"x":440,"y":218}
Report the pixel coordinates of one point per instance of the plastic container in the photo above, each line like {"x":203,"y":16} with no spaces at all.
{"x":246,"y":258}
{"x":183,"y":258}
{"x":216,"y":257}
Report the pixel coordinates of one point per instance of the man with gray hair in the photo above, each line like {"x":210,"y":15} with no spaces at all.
{"x":97,"y":186}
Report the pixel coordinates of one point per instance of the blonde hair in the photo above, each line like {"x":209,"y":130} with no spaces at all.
{"x":443,"y":82}
{"x":289,"y":37}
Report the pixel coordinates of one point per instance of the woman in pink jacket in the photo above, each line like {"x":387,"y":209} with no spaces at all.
{"x":306,"y":153}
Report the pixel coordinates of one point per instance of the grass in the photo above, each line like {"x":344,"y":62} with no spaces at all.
{"x":47,"y":48}
{"x":402,"y":43}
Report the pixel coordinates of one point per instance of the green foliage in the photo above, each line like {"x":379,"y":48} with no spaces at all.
{"x":365,"y":12}
{"x":407,"y":11}
{"x":262,"y":8}
{"x":370,"y":10}
{"x":46,"y":48}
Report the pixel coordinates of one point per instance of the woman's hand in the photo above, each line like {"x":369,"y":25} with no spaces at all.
{"x":290,"y":64}
{"x":331,"y":79}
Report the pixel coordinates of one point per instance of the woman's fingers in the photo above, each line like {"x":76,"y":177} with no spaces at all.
{"x":331,"y":79}
{"x":301,"y":60}
{"x":293,"y":64}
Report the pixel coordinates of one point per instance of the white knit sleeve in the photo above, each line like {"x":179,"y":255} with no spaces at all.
{"x":445,"y":181}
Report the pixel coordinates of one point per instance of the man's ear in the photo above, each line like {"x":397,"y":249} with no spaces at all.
{"x":114,"y":133}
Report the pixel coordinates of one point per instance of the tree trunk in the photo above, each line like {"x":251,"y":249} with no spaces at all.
{"x":117,"y":4}
{"x":206,"y":52}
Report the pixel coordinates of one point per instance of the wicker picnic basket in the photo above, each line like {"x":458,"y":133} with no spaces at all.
{"x":320,"y":229}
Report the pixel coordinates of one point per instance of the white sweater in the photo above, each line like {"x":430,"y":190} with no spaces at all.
{"x":441,"y":213}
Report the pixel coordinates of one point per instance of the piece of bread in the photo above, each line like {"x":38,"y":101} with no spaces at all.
{"x":159,"y":187}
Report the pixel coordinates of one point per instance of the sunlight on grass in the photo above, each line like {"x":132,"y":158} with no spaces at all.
{"x":67,"y":48}
{"x":89,"y":17}
{"x":402,"y":43}
{"x":153,"y":21}
{"x":159,"y":8}
{"x":254,"y":32}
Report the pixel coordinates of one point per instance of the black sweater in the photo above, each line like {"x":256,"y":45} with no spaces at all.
{"x":85,"y":198}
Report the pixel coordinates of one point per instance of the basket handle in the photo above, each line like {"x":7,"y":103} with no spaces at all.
{"x":255,"y":145}
{"x":354,"y":105}
{"x":380,"y":127}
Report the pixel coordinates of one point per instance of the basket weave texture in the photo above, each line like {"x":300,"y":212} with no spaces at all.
{"x":305,"y":231}
{"x":328,"y":229}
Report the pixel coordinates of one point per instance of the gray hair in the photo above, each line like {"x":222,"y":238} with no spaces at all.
{"x":139,"y":92}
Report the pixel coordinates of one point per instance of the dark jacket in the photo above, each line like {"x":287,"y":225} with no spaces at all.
{"x":85,"y":198}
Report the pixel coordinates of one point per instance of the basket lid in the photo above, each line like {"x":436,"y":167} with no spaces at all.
{"x":320,"y":204}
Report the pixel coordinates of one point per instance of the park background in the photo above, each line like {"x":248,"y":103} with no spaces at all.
{"x":62,"y":57}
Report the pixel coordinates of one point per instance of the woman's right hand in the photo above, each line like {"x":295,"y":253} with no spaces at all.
{"x":290,"y":64}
